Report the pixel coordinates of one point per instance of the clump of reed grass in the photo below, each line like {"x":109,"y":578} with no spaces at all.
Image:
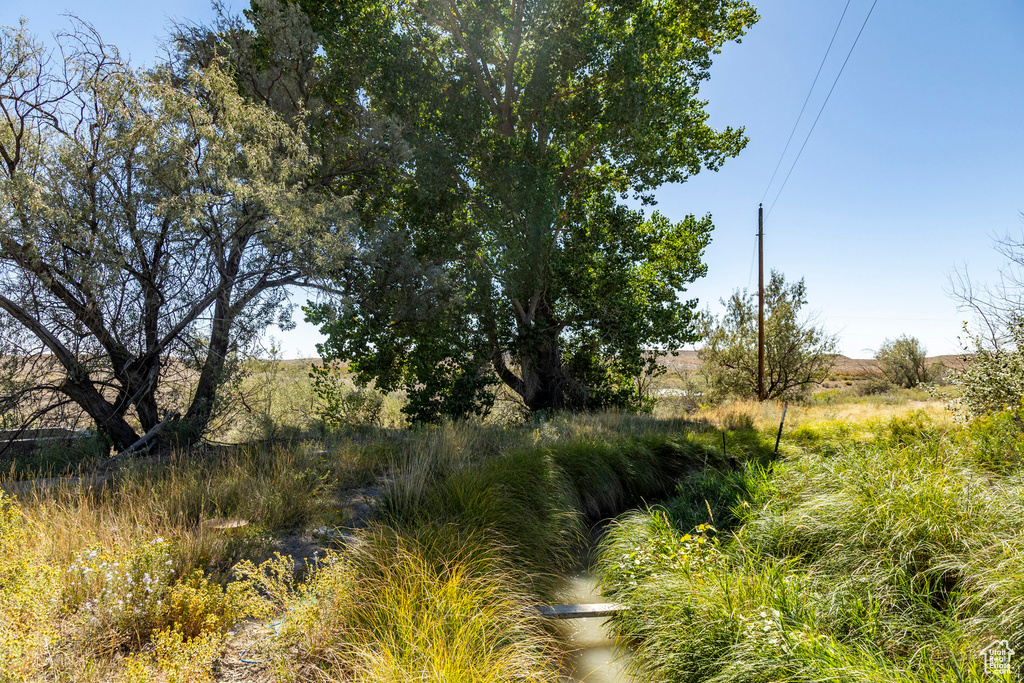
{"x":476,"y":509}
{"x":399,"y":607}
{"x":534,"y":502}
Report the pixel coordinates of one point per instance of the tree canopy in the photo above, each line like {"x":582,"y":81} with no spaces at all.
{"x":504,"y":250}
{"x":149,"y":224}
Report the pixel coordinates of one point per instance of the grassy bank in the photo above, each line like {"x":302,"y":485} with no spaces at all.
{"x":469,"y":538}
{"x":886,"y":549}
{"x":152,"y":574}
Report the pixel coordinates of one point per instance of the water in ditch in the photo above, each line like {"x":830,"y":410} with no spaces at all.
{"x":595,"y":657}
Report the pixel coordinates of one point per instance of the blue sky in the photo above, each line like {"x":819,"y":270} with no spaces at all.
{"x":916,"y":162}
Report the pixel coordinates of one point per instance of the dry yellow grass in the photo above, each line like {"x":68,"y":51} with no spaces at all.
{"x":860,"y":416}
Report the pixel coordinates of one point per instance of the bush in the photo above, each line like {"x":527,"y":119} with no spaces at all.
{"x":342,"y":405}
{"x":902,"y":361}
{"x":122,"y":599}
{"x":996,"y":440}
{"x":993,"y":379}
{"x":876,"y":386}
{"x":174,"y":659}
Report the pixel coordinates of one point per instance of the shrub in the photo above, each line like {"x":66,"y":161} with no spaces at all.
{"x":122,"y":598}
{"x":902,"y":361}
{"x":996,"y":440}
{"x":174,"y":659}
{"x":876,"y":386}
{"x":993,"y":378}
{"x":29,"y":597}
{"x":342,"y":405}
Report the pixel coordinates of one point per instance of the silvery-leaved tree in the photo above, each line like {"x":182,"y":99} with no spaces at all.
{"x":149,"y":223}
{"x":992,"y":379}
{"x":798,"y":354}
{"x":505,"y":252}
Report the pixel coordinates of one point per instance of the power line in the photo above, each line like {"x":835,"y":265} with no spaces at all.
{"x":848,"y":54}
{"x":806,"y":100}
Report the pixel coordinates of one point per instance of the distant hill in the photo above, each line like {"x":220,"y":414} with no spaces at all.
{"x":687,"y":361}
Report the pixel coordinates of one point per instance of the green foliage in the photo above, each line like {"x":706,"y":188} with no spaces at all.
{"x":342,"y":405}
{"x":465,"y":544}
{"x":902,"y":361}
{"x":533,"y":501}
{"x":709,"y":496}
{"x":625,"y":563}
{"x":996,"y":440}
{"x":63,"y":457}
{"x":993,"y":379}
{"x":505,"y":253}
{"x":798,"y":354}
{"x":516,"y":500}
{"x":875,"y":386}
{"x":896,"y":558}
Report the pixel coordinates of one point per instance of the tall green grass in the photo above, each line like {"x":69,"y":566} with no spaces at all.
{"x":410,"y":606}
{"x":892,"y":558}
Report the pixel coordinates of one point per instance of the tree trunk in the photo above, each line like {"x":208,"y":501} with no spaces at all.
{"x":544,"y":384}
{"x":146,"y":408}
{"x":201,"y":408}
{"x":547,"y":384}
{"x":108,"y":422}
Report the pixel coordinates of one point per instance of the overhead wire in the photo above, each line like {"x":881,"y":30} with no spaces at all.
{"x":806,"y":100}
{"x":816,"y":118}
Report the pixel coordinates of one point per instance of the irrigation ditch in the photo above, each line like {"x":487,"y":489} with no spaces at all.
{"x":580,"y":618}
{"x":686,"y":471}
{"x":542,"y":511}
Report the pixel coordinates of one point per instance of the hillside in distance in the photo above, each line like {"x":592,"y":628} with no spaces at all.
{"x":687,"y":361}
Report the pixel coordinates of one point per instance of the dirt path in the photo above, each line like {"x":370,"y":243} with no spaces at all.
{"x":360,"y":507}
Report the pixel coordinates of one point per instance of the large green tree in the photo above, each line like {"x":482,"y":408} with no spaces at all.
{"x":504,"y":250}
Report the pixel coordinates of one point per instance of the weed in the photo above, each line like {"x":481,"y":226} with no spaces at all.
{"x":399,"y":607}
{"x":174,"y":658}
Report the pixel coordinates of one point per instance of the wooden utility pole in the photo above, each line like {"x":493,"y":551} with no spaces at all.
{"x":760,"y":302}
